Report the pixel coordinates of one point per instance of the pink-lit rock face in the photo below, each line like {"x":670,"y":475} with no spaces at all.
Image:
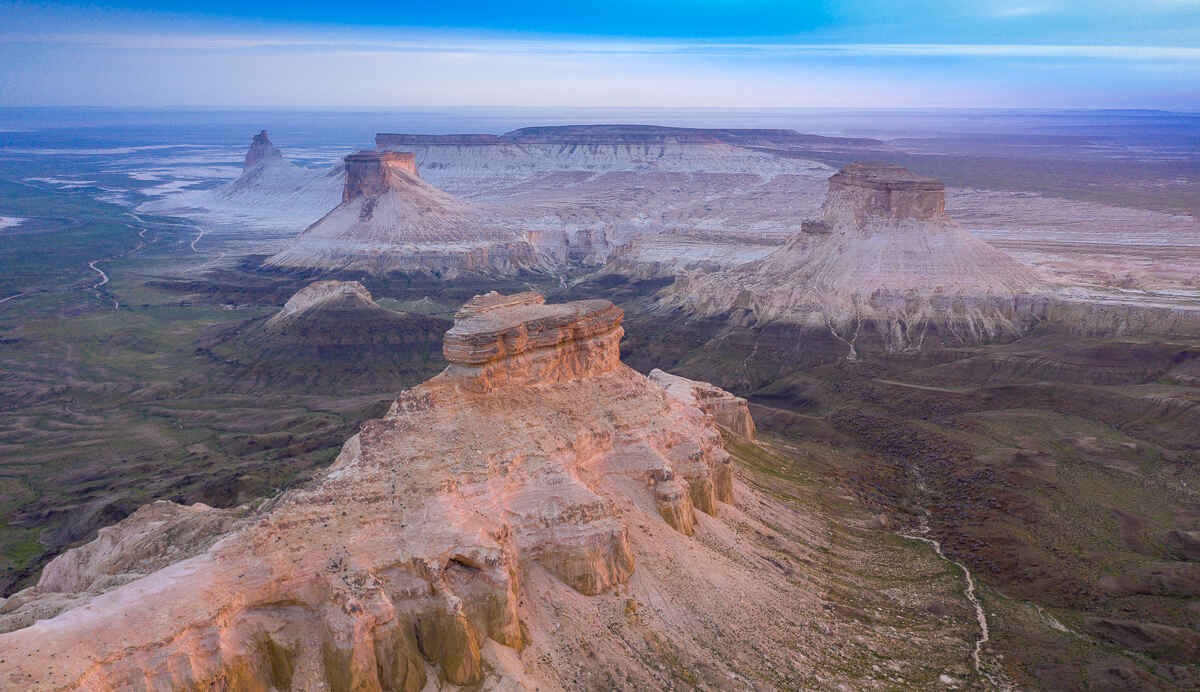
{"x":530,"y":457}
{"x":372,"y":173}
{"x":504,"y":340}
{"x":864,"y":190}
{"x":728,"y":411}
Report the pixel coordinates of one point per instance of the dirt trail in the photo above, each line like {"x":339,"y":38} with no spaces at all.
{"x":985,"y":635}
{"x":98,"y":270}
{"x":980,"y":616}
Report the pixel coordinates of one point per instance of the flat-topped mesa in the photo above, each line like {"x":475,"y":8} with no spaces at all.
{"x":616,"y":135}
{"x":372,"y":173}
{"x":390,"y":220}
{"x":500,"y":340}
{"x":863,"y":190}
{"x":260,"y":150}
{"x":885,"y":269}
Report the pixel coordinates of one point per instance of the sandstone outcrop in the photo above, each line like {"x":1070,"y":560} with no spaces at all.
{"x":728,"y":411}
{"x":531,"y":453}
{"x":370,"y":174}
{"x":884,"y":264}
{"x":392,"y":221}
{"x":148,"y":540}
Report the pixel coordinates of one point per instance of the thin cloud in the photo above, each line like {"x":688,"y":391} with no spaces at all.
{"x":442,"y":44}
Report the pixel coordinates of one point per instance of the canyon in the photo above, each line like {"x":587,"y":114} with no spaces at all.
{"x":782,"y":419}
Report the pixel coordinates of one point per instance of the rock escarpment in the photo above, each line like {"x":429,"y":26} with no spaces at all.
{"x":728,"y":411}
{"x":392,"y":221}
{"x":884,"y":265}
{"x":530,"y":454}
{"x":471,"y":164}
{"x":370,"y":174}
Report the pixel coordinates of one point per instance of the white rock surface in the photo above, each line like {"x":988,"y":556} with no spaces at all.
{"x":886,"y":255}
{"x":272,"y":193}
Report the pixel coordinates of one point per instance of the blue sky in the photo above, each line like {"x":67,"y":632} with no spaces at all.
{"x":754,"y":53}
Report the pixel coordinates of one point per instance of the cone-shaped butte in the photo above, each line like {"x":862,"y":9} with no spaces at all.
{"x":884,"y":268}
{"x":391,"y":221}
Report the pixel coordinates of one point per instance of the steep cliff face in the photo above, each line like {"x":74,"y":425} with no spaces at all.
{"x":533,"y":449}
{"x":884,"y":259}
{"x":370,"y":174}
{"x":392,"y":221}
{"x":728,"y":411}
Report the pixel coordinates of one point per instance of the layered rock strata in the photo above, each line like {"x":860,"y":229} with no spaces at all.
{"x":727,"y":410}
{"x":884,"y":263}
{"x":370,"y":174}
{"x":404,"y":562}
{"x":392,"y":221}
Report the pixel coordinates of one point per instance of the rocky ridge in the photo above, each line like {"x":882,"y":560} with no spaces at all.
{"x":330,"y":336}
{"x":728,"y":411}
{"x":319,"y":293}
{"x":405,"y":560}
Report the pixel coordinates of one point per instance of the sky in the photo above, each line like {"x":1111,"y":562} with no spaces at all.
{"x":637,"y":53}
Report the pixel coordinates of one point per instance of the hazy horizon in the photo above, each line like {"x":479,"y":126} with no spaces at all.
{"x":1046,"y":54}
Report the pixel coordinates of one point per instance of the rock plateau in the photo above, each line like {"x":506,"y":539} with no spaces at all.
{"x":537,"y":516}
